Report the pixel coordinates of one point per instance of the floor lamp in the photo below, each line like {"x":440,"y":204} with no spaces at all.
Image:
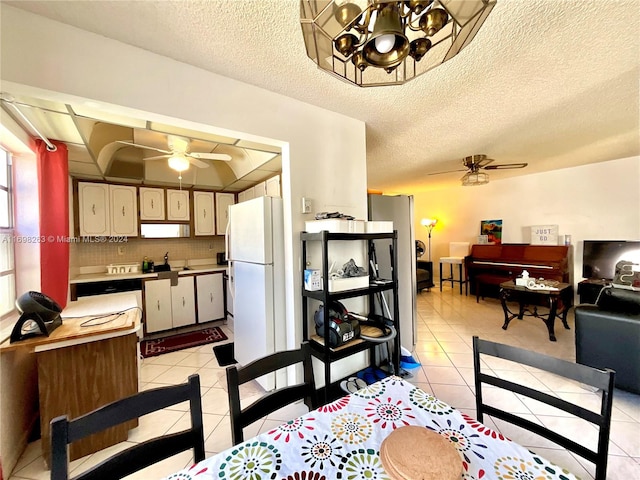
{"x":429,"y":223}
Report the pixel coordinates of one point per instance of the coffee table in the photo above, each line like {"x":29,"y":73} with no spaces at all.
{"x":561,"y":298}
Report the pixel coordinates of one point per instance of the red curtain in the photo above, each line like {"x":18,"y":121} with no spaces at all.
{"x":53,"y":187}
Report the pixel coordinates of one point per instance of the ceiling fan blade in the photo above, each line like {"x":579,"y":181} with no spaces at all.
{"x":198,"y":163}
{"x":158,"y":157}
{"x":505,"y":166}
{"x":148,"y":147}
{"x":448,"y":171}
{"x":209,"y":156}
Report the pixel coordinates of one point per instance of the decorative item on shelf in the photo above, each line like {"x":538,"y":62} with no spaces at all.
{"x":493,"y":229}
{"x":429,"y":223}
{"x":544,"y":235}
{"x":375,"y":43}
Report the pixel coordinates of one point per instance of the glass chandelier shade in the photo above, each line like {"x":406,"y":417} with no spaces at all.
{"x":381,"y":42}
{"x":471,"y":179}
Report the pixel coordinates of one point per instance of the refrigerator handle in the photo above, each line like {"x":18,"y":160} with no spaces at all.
{"x":226,"y":241}
{"x":227,"y":244}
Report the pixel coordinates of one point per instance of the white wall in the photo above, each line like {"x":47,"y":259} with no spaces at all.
{"x":49,"y":60}
{"x":597,"y":201}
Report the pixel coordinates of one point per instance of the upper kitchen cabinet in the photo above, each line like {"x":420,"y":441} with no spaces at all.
{"x":123,"y":210}
{"x":151,"y":203}
{"x":107,"y":210}
{"x":272,"y":186}
{"x":223,"y":201}
{"x":93,"y":209}
{"x":178,"y":205}
{"x":203,"y":213}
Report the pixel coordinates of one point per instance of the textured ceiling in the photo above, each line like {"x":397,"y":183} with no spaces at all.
{"x":548,"y":82}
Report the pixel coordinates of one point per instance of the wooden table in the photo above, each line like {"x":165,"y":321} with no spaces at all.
{"x":82,"y":367}
{"x":562,"y":297}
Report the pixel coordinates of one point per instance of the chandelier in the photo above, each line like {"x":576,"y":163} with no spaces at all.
{"x":381,"y":42}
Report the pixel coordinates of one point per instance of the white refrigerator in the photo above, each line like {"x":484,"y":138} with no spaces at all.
{"x":256,"y":256}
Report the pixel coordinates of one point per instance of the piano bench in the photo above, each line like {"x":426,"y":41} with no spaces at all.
{"x":484,"y":280}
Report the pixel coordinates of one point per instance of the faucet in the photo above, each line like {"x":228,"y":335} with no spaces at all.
{"x":166,"y":258}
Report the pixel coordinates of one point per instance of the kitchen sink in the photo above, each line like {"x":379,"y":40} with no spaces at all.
{"x":163,"y":267}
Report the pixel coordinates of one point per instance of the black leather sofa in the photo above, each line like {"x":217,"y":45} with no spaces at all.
{"x":608,"y":335}
{"x":424,"y":275}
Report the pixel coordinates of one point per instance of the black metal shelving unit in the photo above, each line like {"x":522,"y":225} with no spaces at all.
{"x":321,"y":350}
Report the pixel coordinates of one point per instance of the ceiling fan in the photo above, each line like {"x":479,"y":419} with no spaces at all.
{"x":179,"y":155}
{"x":474,"y":163}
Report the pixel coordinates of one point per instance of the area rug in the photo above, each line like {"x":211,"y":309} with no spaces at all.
{"x":224,"y":354}
{"x":158,"y":346}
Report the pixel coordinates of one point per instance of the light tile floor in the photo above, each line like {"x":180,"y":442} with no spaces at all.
{"x":446,"y":322}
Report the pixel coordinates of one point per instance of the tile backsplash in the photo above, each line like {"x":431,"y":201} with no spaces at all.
{"x":135,"y":249}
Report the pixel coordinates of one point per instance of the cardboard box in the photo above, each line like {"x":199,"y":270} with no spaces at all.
{"x":348,"y":283}
{"x":312,"y":280}
{"x":378,"y":227}
{"x":335,"y":225}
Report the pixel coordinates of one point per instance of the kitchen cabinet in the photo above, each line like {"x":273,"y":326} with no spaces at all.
{"x":245,"y":195}
{"x":105,"y":210}
{"x":178,"y":205}
{"x":203,"y":215}
{"x":157,"y":305}
{"x":151,"y":203}
{"x":210,"y":295}
{"x":93,"y":209}
{"x":272,"y":186}
{"x":123,"y":210}
{"x":259,"y":190}
{"x":183,"y":304}
{"x":223,"y":201}
{"x":169,"y":306}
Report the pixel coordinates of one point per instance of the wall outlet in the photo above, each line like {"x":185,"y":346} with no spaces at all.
{"x":306,"y":205}
{"x":120,"y":250}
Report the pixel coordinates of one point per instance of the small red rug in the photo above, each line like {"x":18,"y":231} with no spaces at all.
{"x":158,"y":346}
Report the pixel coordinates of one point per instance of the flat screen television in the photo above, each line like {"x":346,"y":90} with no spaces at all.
{"x":599,"y":257}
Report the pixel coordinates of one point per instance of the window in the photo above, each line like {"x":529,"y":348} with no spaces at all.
{"x":7,"y":265}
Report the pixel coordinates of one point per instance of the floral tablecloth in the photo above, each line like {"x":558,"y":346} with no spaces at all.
{"x":341,"y":440}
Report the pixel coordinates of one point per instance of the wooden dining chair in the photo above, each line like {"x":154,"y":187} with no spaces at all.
{"x":65,"y":431}
{"x":601,"y":379}
{"x":272,"y":401}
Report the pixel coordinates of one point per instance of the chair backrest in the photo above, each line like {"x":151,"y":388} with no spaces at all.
{"x":65,"y":431}
{"x":274,"y":400}
{"x":459,"y":249}
{"x":600,"y":379}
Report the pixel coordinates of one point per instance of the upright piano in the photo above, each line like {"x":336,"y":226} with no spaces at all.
{"x":488,"y":266}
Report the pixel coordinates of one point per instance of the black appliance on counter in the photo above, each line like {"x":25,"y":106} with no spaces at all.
{"x":221,"y":258}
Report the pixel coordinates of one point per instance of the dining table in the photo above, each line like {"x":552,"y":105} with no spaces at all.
{"x":342,"y":439}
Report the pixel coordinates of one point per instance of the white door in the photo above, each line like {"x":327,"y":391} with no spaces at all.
{"x":123,"y":210}
{"x":151,"y":203}
{"x":253,"y":323}
{"x":177,"y":205}
{"x":157,"y":305}
{"x":183,"y":304}
{"x":210,"y":295}
{"x":223,"y":201}
{"x":93,"y":209}
{"x":203,"y":213}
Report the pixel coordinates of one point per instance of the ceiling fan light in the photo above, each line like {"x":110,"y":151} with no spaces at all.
{"x":179,"y":164}
{"x":471,"y":179}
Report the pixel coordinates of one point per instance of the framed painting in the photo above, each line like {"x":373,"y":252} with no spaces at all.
{"x":492,"y":229}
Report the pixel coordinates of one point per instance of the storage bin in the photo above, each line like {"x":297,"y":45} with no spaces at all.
{"x":348,"y":283}
{"x":378,"y":226}
{"x":334,"y":225}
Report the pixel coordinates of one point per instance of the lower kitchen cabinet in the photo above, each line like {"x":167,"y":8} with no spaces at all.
{"x":210,"y":297}
{"x":169,"y":307}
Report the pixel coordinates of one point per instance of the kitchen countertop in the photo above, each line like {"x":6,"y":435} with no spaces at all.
{"x":104,"y":277}
{"x":79,"y":324}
